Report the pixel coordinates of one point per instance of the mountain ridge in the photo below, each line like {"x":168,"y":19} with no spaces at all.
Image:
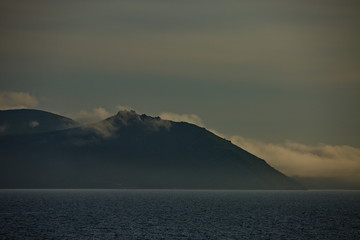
{"x":133,"y":151}
{"x":29,"y":121}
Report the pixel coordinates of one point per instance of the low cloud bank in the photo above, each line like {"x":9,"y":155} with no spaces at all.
{"x":16,"y":100}
{"x":300,"y":160}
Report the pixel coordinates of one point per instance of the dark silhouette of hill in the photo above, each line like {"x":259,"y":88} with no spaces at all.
{"x":27,"y":121}
{"x":133,"y":151}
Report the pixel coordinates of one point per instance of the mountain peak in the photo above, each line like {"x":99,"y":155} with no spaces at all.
{"x":126,"y":112}
{"x":131,"y":114}
{"x":126,"y":116}
{"x":130,"y":118}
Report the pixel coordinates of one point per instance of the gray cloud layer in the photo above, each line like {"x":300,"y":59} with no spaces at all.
{"x":271,"y":70}
{"x":14,"y":100}
{"x":298,"y":40}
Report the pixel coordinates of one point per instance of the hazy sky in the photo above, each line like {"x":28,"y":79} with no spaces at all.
{"x":265,"y":70}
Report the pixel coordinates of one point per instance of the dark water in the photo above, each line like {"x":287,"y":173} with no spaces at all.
{"x":167,"y":214}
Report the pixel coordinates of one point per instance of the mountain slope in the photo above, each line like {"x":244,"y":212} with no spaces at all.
{"x":27,"y":121}
{"x":133,"y":151}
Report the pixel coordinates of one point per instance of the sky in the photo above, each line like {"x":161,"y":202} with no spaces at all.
{"x":269,"y":75}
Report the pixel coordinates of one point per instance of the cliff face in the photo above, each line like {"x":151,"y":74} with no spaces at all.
{"x":133,"y":151}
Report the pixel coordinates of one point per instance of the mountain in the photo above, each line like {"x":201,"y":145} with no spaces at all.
{"x":129,"y":150}
{"x":27,"y":121}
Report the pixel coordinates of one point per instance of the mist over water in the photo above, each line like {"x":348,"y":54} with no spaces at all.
{"x":178,"y":214}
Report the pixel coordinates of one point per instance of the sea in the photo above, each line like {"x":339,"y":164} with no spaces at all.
{"x":179,"y":214}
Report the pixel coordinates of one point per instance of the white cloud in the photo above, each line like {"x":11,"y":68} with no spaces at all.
{"x":97,"y":114}
{"x":103,"y":128}
{"x":217,"y":133}
{"x":34,"y":124}
{"x":122,"y":108}
{"x":295,"y":159}
{"x":190,"y":118}
{"x":16,"y":100}
{"x":93,"y":120}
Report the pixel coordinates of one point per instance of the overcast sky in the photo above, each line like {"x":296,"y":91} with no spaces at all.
{"x":265,"y":70}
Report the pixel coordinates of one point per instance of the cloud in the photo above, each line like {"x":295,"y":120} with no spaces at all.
{"x":217,"y":133}
{"x":300,"y":160}
{"x":122,"y":108}
{"x":34,"y":124}
{"x":130,"y":117}
{"x":15,"y":100}
{"x":97,"y":114}
{"x":187,"y":38}
{"x":190,"y":118}
{"x":156,"y":124}
{"x":3,"y":128}
{"x":123,"y":118}
{"x":104,"y":128}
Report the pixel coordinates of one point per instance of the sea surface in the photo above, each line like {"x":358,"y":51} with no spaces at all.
{"x":179,"y":214}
